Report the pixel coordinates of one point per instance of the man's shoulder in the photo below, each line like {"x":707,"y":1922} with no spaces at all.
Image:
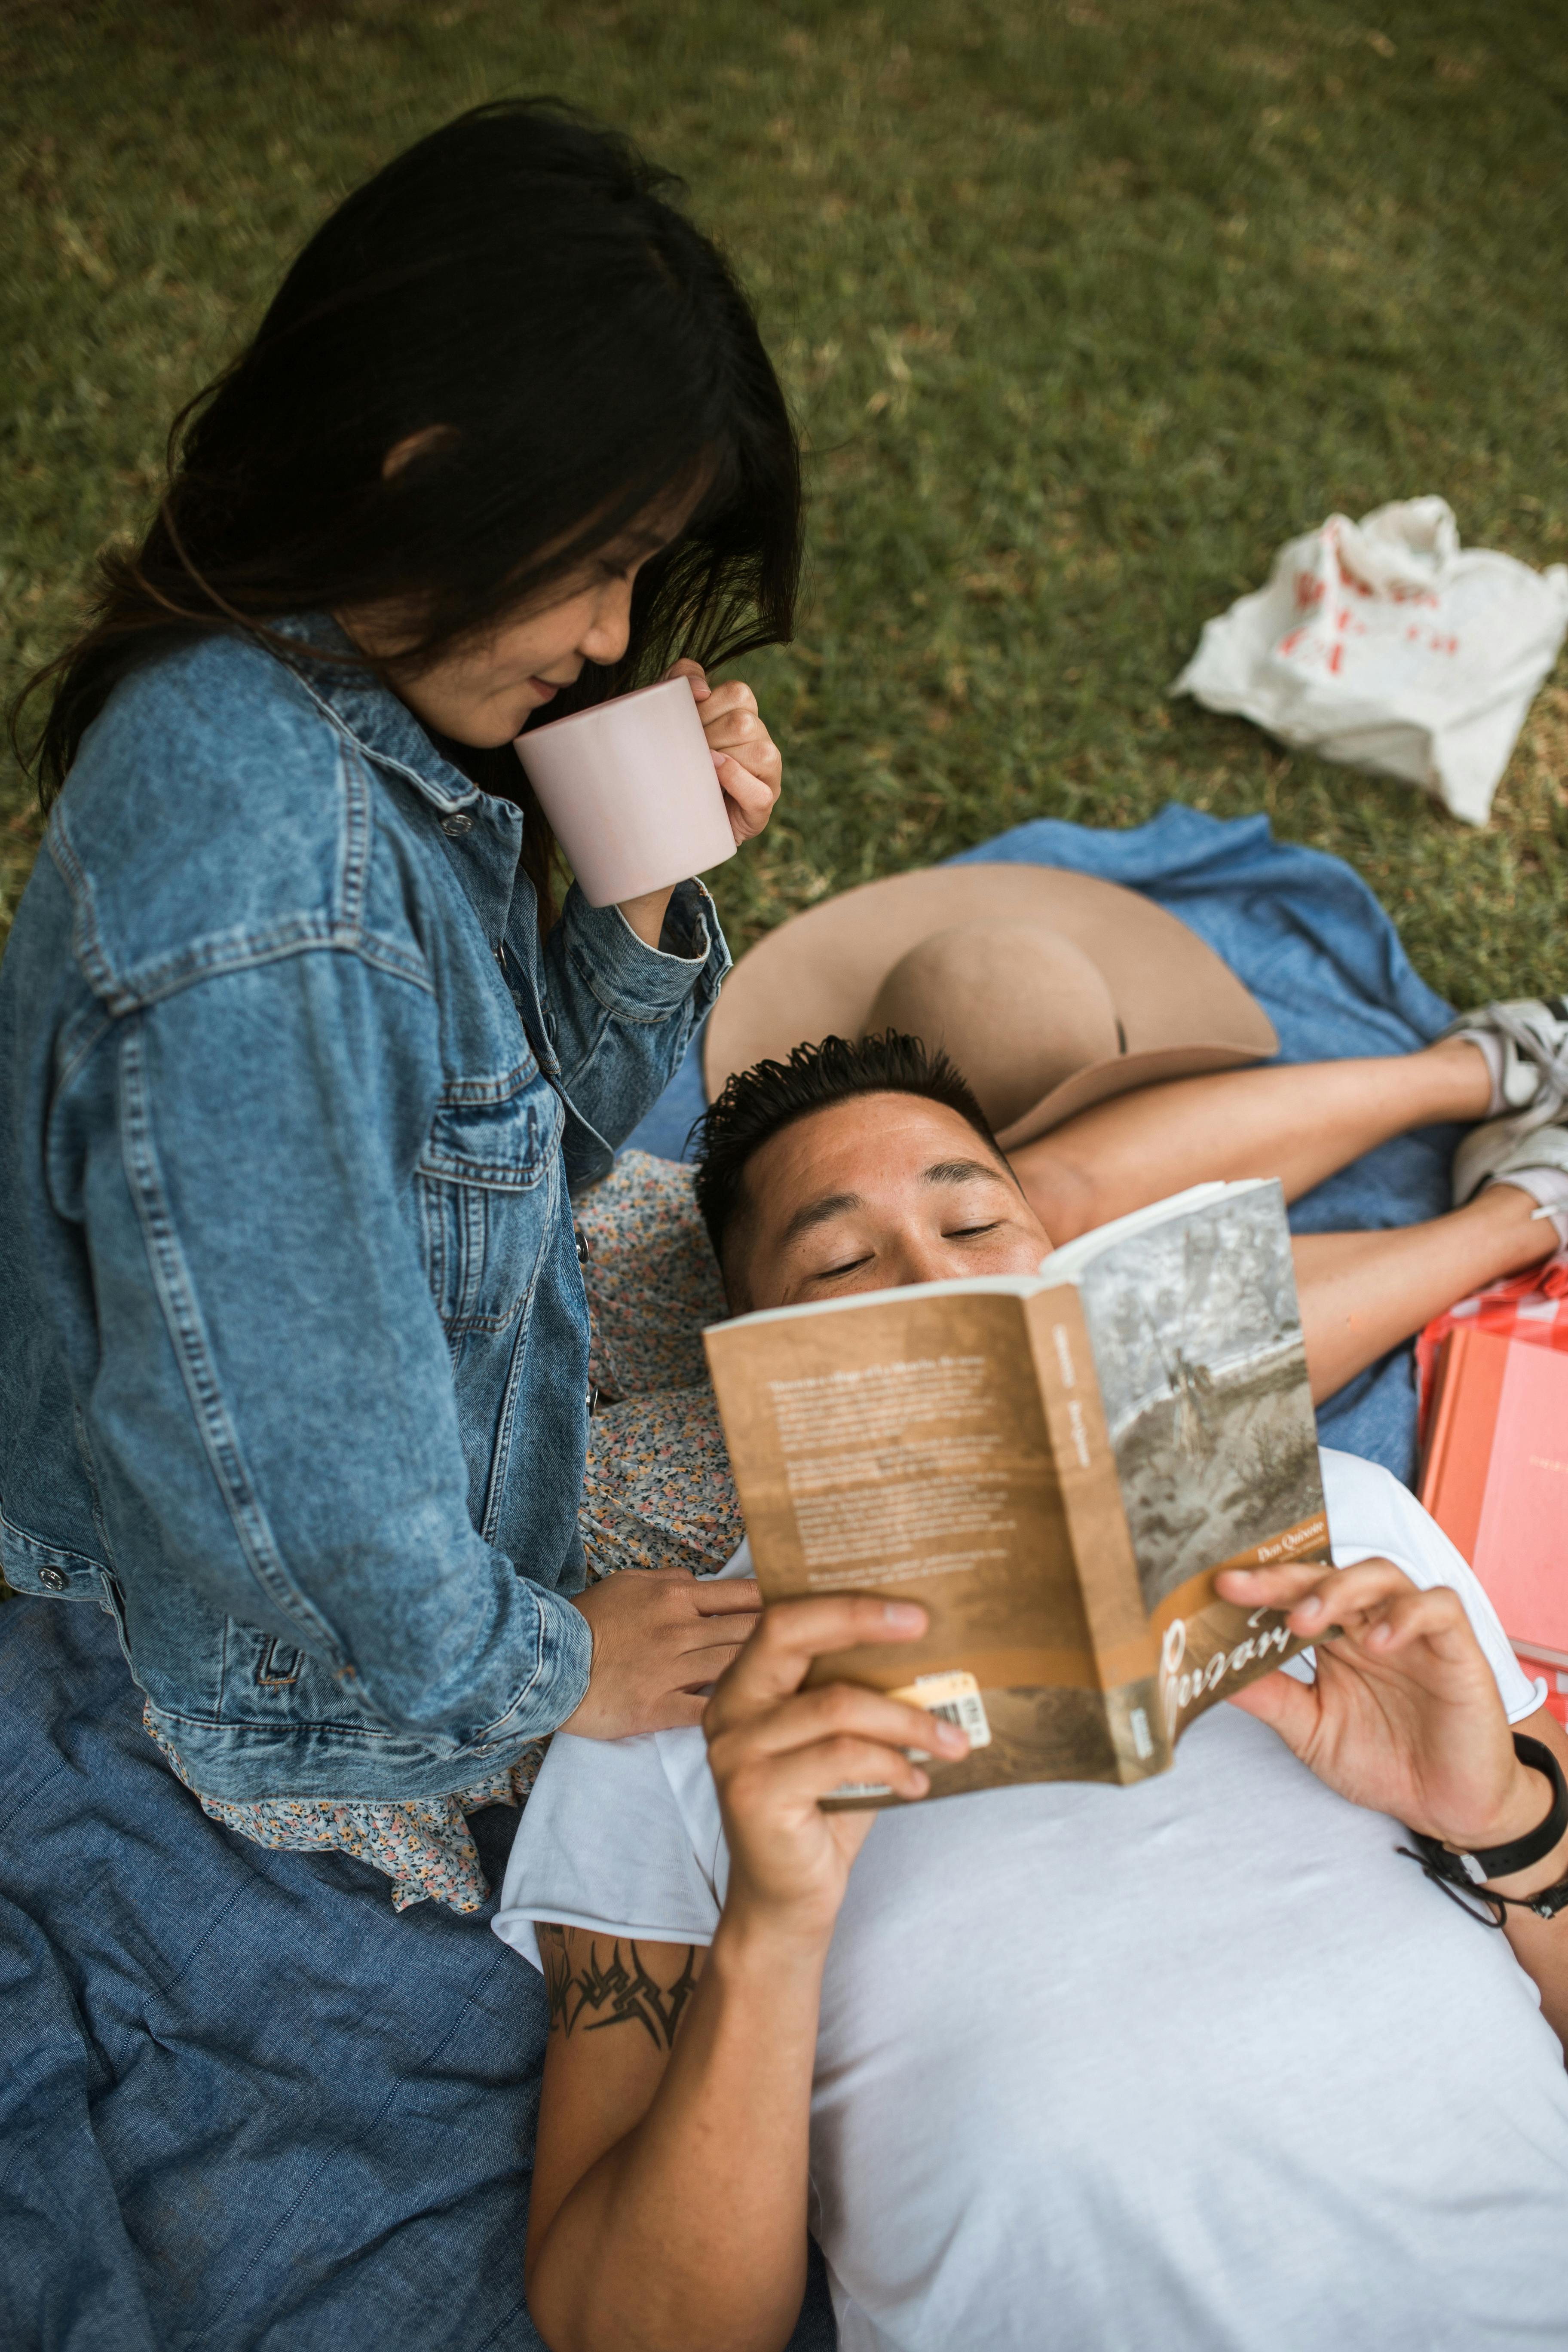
{"x":215,"y":815}
{"x":662,"y":1773}
{"x":619,"y":1834}
{"x":1369,"y":1508}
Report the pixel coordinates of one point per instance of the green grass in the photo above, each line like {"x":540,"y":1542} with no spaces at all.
{"x":1083,"y":309}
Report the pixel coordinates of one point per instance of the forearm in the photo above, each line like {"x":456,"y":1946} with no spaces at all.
{"x":1299,"y":1122}
{"x":688,"y":2234}
{"x":498,"y":1661}
{"x":622,"y":1006}
{"x":1540,"y":1946}
{"x":645,"y":915}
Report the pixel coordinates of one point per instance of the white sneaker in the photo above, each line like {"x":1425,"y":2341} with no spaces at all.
{"x":1529,"y":1038}
{"x":1505,"y":1150}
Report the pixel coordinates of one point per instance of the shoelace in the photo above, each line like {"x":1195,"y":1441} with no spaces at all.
{"x":1553,"y":1062}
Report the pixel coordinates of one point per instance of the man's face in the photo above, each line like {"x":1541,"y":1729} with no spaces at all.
{"x":877,"y":1191}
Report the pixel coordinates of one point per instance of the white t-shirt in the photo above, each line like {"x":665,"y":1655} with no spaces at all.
{"x":1194,"y":2066}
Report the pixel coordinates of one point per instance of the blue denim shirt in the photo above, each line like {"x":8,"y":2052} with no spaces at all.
{"x":293,"y":1340}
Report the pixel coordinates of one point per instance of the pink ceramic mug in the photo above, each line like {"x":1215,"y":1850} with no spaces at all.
{"x":631,"y":791}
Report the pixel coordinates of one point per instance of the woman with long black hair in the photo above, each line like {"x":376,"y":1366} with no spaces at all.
{"x":300,"y":1061}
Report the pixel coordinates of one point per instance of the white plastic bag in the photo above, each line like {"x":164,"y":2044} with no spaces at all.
{"x":1378,"y":644}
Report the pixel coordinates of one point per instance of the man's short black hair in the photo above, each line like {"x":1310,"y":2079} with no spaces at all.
{"x":758,"y":1103}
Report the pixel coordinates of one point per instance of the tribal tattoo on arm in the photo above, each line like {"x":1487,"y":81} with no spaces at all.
{"x":614,"y":1991}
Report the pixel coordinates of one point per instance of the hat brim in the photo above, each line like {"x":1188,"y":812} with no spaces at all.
{"x":1182,"y":1010}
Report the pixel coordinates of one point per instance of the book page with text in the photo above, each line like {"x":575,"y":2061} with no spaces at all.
{"x":901,"y":1450}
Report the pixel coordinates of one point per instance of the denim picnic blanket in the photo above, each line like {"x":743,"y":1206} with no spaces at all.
{"x":245,"y":2105}
{"x":1318,"y":951}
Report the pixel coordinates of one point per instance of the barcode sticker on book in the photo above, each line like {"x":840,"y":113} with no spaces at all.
{"x":954,"y":1696}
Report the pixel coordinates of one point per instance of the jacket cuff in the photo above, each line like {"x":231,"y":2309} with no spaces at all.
{"x":643,"y":983}
{"x":558,"y":1685}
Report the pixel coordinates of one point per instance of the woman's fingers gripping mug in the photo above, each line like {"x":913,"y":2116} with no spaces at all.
{"x":631,"y":791}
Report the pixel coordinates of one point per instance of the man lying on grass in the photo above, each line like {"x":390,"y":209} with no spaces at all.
{"x":1203,"y":2062}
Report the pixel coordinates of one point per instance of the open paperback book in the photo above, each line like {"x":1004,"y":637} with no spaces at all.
{"x":1056,"y":1466}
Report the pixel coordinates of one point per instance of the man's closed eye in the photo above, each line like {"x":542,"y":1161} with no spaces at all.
{"x":851,"y":1265}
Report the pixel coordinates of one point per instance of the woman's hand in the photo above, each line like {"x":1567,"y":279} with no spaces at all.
{"x":775,"y":1749}
{"x":661,"y":1640}
{"x":1404,"y":1715}
{"x":750,"y":770}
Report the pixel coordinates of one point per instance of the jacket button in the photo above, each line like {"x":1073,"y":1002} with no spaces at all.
{"x":53,"y":1580}
{"x":456,"y":824}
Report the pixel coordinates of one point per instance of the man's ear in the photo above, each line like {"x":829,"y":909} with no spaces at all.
{"x":736,"y":1296}
{"x":735,"y":1262}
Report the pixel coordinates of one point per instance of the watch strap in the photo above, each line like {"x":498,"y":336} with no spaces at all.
{"x":1471,"y":1871}
{"x":1502,"y":1860}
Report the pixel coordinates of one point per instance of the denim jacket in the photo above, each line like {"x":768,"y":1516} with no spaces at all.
{"x":293,"y":1339}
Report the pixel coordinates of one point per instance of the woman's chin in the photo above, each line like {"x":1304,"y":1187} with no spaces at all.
{"x":489,"y":733}
{"x":482,"y":732}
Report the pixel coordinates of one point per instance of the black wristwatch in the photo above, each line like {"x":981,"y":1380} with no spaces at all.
{"x":1464,"y":1876}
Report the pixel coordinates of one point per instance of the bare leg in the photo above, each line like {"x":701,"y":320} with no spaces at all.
{"x":1361,"y":1293}
{"x":1298,"y":1123}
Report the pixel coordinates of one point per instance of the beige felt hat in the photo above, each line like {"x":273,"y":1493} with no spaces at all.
{"x":1050,"y":991}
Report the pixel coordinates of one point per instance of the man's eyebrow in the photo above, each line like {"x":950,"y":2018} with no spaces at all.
{"x":817,"y":1213}
{"x":964,"y":1172}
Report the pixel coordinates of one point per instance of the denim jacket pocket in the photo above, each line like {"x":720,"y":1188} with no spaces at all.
{"x":484,"y":1197}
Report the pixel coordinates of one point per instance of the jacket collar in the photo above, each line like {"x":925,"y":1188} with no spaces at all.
{"x":357,"y":704}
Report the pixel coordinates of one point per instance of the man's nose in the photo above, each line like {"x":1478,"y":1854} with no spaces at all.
{"x":928,"y":1258}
